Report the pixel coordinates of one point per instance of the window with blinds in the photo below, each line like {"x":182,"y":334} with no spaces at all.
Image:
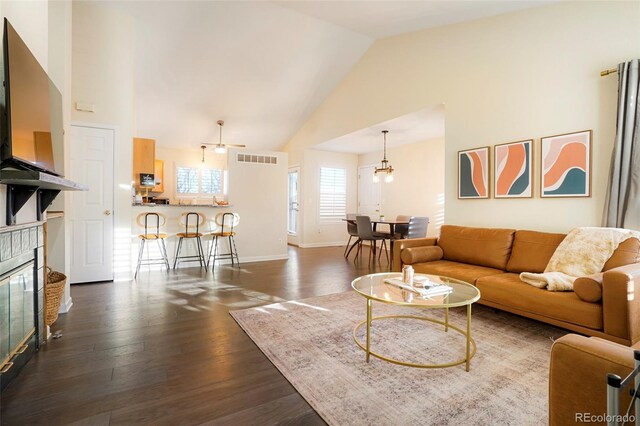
{"x":333,"y":194}
{"x":195,"y":181}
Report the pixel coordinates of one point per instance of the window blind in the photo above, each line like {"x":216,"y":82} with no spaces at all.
{"x":333,"y":194}
{"x":211,"y":181}
{"x":187,"y":180}
{"x":191,"y":180}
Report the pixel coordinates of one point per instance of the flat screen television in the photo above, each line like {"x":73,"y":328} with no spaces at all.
{"x":31,"y":129}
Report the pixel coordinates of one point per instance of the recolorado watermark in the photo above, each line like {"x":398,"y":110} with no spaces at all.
{"x":604,"y":418}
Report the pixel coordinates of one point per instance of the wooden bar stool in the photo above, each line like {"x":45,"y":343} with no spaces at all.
{"x":226,"y":223}
{"x":190,"y":221}
{"x":148,"y":221}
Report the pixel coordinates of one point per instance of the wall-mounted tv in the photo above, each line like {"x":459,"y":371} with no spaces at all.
{"x":31,"y":129}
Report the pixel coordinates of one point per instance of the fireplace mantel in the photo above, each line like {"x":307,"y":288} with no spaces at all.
{"x":22,"y":184}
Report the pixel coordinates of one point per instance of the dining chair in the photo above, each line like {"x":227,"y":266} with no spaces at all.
{"x":226,"y":223}
{"x":402,"y":229}
{"x":418,"y":227}
{"x":352,"y":229}
{"x":192,"y":222}
{"x":151,"y":222}
{"x":365,"y":233}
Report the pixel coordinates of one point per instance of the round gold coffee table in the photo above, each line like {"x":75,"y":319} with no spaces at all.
{"x":373,"y":287}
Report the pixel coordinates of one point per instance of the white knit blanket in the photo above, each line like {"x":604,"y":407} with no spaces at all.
{"x":584,"y":251}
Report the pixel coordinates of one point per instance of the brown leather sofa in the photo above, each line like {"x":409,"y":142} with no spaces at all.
{"x":577,"y":378}
{"x":605,"y":305}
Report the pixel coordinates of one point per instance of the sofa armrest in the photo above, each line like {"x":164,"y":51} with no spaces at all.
{"x":400,"y":245}
{"x":621,"y":302}
{"x":577,"y":377}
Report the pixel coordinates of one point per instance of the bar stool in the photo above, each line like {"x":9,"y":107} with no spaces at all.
{"x":226,"y":223}
{"x":191,"y":220}
{"x":146,"y":220}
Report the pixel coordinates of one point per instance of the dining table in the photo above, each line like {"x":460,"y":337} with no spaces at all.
{"x":374,"y":224}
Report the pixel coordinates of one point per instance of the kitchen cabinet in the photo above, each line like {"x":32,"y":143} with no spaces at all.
{"x":158,"y":172}
{"x":144,"y":157}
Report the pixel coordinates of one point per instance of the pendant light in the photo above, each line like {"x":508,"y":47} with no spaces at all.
{"x":203,"y":163}
{"x":386,"y":167}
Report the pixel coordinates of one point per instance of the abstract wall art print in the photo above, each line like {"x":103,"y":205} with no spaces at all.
{"x":473,"y":173}
{"x":565,"y":166}
{"x":512,"y":171}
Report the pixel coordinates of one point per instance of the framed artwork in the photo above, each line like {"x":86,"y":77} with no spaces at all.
{"x":565,"y":165}
{"x":473,"y":173}
{"x":513,"y":170}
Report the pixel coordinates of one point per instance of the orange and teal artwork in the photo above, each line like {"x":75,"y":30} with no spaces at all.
{"x":473,"y":173}
{"x":566,"y":165}
{"x":513,"y":164}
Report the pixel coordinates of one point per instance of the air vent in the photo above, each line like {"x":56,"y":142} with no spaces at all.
{"x":257,"y":159}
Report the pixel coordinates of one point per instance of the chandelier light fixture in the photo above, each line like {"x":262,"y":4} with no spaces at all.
{"x":386,"y":167}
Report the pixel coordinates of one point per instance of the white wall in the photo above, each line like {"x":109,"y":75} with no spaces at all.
{"x":313,"y":233}
{"x":103,"y":55}
{"x":258,"y":192}
{"x":59,"y":60}
{"x":522,"y":75}
{"x":418,"y":181}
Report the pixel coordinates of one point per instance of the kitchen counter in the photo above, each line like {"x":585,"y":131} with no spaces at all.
{"x":173,"y":212}
{"x":180,"y":205}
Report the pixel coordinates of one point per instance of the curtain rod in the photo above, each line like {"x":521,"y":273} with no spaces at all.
{"x":609,"y":71}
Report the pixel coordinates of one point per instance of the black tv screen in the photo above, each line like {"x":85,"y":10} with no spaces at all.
{"x":32,"y":130}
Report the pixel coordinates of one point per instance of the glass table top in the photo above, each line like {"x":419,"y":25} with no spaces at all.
{"x":373,"y":287}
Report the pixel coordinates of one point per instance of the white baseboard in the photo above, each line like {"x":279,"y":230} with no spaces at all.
{"x":262,"y":258}
{"x":251,"y":259}
{"x":65,"y":306}
{"x":329,"y":244}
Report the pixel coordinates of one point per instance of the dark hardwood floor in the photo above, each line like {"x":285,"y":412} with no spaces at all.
{"x":164,"y":349}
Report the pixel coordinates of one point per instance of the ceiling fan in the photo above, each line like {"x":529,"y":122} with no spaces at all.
{"x":221,"y":148}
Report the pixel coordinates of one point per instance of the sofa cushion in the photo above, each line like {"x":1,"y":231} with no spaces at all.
{"x":507,"y":289}
{"x":589,"y":288}
{"x":476,"y":246}
{"x":627,"y":252}
{"x":460,"y":271}
{"x":413,"y":255}
{"x":532,"y":250}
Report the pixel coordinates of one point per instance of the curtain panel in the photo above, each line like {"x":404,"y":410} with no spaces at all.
{"x":622,"y":205}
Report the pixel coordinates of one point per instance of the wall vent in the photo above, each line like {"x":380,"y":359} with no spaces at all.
{"x":257,"y":159}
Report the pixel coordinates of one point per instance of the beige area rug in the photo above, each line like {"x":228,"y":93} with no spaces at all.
{"x":310,"y":341}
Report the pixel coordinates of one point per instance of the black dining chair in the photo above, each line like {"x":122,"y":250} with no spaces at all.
{"x":352,"y":230}
{"x":418,"y":227}
{"x":365,"y":233}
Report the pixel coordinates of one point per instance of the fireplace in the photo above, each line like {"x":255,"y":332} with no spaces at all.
{"x":21,"y":297}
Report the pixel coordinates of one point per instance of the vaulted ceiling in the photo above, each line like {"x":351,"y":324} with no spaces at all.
{"x":263,"y":67}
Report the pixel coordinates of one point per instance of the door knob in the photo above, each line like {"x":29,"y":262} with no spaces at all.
{"x":107,"y":212}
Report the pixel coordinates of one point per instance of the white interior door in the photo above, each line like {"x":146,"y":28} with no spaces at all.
{"x":91,"y":215}
{"x":293,"y":218}
{"x":368,"y":192}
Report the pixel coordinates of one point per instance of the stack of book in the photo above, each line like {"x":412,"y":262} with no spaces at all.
{"x":430,"y":289}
